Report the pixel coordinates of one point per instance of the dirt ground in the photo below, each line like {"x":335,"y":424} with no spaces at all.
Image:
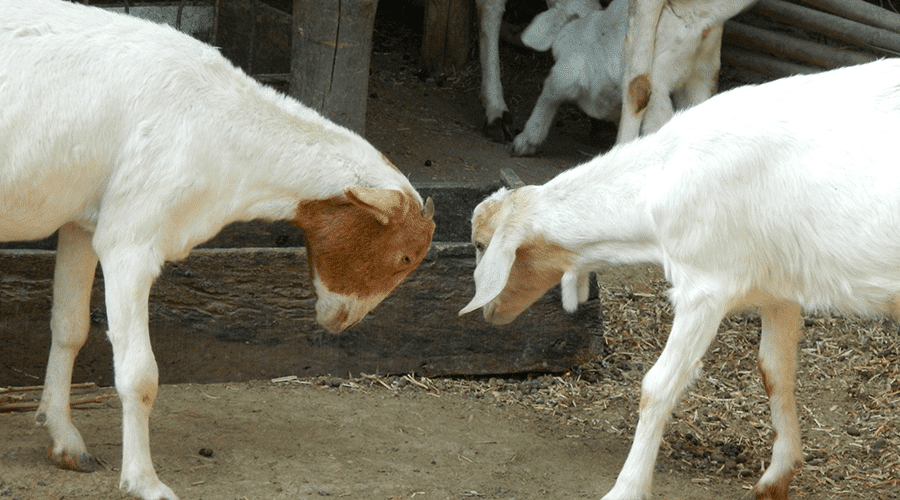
{"x":527,"y":436}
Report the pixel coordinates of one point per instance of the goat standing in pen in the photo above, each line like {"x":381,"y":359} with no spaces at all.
{"x":657,"y":55}
{"x":137,"y":143}
{"x":782,"y":197}
{"x":589,"y":47}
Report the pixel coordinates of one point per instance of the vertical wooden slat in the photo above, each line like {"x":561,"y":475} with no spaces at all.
{"x":331,"y":50}
{"x":447,"y":34}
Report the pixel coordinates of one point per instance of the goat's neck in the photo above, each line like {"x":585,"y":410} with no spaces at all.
{"x":287,"y":154}
{"x":598,"y":210}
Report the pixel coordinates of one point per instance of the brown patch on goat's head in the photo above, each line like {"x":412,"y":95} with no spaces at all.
{"x":639,"y":90}
{"x":706,"y":33}
{"x":360,"y":246}
{"x":539,"y":265}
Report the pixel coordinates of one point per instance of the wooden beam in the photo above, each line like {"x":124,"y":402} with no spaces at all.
{"x":331,"y":51}
{"x":762,"y":64}
{"x":785,"y":46}
{"x":447,"y":35}
{"x":830,"y":25}
{"x":860,"y":11}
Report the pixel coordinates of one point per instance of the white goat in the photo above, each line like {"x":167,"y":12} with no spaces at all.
{"x":760,"y":197}
{"x":672,"y":50}
{"x":138,"y":142}
{"x":587,"y":45}
{"x":589,"y":48}
{"x":671,"y":58}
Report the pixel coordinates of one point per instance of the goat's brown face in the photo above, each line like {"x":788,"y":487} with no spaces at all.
{"x":539,"y":265}
{"x":360,"y":246}
{"x":534,"y":264}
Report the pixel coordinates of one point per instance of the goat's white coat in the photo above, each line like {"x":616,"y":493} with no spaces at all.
{"x":138,"y":143}
{"x":784,"y":196}
{"x":674,"y":44}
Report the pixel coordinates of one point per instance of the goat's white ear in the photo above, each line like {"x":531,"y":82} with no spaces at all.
{"x":381,"y":203}
{"x":492,"y":271}
{"x":544,"y":28}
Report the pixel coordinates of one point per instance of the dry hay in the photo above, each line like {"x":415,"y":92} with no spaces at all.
{"x":848,"y":393}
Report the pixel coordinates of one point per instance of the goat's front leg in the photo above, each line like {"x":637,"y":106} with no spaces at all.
{"x":640,"y":42}
{"x":557,"y":89}
{"x":781,"y":332}
{"x":693,"y":329}
{"x":73,"y":280}
{"x":703,"y":79}
{"x":129,"y":274}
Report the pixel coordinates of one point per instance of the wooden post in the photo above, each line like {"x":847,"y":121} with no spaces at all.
{"x":331,"y":50}
{"x":445,"y":41}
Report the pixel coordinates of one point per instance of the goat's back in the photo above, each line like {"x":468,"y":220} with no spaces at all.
{"x":790,"y":188}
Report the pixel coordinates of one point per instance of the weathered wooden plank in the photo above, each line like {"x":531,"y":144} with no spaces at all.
{"x":860,"y":11}
{"x":762,"y":63}
{"x":270,"y":40}
{"x":786,"y":46}
{"x":829,"y":25}
{"x":239,"y":314}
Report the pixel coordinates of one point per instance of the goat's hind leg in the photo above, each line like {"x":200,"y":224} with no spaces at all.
{"x":778,"y":364}
{"x":73,"y":279}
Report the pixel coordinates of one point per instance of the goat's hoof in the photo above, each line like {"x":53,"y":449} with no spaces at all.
{"x":79,"y":463}
{"x":500,"y":129}
{"x":521,"y":147}
{"x":776,"y":491}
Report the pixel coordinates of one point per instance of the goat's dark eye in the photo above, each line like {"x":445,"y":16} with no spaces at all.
{"x":406,"y":259}
{"x":479,"y":246}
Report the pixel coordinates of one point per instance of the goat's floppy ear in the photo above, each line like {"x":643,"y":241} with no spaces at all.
{"x":492,"y":272}
{"x":539,"y":35}
{"x":383,"y":204}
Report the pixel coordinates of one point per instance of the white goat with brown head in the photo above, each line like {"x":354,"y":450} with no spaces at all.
{"x":760,"y":197}
{"x":137,"y":143}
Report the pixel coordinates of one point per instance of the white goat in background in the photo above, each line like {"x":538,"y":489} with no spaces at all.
{"x":670,"y":57}
{"x":587,"y":44}
{"x":761,"y":197}
{"x":589,"y":47}
{"x":138,"y":142}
